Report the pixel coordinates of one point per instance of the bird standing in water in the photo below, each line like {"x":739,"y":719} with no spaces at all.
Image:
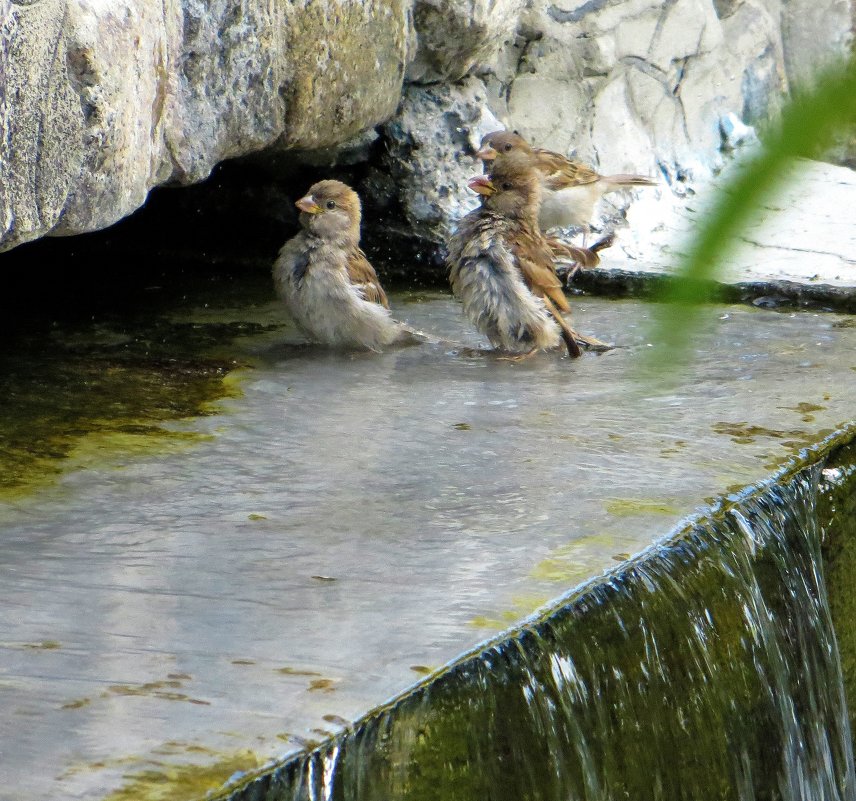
{"x":571,"y":189}
{"x":326,"y":281}
{"x":501,"y":267}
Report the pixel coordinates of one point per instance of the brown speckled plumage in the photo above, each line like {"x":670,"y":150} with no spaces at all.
{"x":326,"y":281}
{"x":501,"y":267}
{"x":571,"y":188}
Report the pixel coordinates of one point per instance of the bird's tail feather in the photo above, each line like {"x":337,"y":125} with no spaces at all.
{"x":626,"y":180}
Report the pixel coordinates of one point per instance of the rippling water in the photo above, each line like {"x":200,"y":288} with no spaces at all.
{"x":352,"y":520}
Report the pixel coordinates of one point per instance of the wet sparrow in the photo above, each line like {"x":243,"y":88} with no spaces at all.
{"x":571,"y":188}
{"x":325,"y":279}
{"x":501,"y":267}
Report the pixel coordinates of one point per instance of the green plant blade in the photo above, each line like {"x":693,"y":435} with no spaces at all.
{"x":807,"y":126}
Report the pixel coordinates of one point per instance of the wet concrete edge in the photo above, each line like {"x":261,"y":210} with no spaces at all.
{"x":276,"y":778}
{"x":618,"y":283}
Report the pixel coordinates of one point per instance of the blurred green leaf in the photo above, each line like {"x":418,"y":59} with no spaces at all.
{"x":807,"y":127}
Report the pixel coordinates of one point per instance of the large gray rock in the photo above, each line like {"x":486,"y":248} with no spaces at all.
{"x":99,"y":102}
{"x":456,"y":35}
{"x":641,"y":85}
{"x":429,"y":154}
{"x":102,"y":101}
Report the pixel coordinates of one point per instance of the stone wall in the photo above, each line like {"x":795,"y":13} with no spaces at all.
{"x":100,"y":102}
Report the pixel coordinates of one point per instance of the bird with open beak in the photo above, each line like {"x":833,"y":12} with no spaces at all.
{"x":501,"y":267}
{"x":571,"y":189}
{"x":325,"y":279}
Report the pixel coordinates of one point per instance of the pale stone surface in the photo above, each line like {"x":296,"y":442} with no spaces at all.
{"x":804,"y":233}
{"x":639,"y":83}
{"x":814,"y":34}
{"x":455,"y":35}
{"x":99,"y":101}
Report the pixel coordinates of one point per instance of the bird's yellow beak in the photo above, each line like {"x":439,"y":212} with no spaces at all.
{"x":308,"y":205}
{"x":487,"y":153}
{"x":482,"y":184}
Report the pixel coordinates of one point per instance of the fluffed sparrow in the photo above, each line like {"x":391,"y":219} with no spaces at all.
{"x":571,"y":188}
{"x":325,"y":279}
{"x":501,"y":266}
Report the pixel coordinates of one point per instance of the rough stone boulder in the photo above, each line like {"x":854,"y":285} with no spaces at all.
{"x":453,"y":36}
{"x":99,"y":101}
{"x":429,"y":155}
{"x":629,"y":86}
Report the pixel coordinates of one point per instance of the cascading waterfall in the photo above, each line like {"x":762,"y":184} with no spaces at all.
{"x":708,"y":669}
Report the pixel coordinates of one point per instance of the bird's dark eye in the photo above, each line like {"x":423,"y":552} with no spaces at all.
{"x":331,"y":204}
{"x":506,"y":185}
{"x":507,"y":147}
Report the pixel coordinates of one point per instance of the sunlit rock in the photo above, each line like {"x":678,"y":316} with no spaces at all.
{"x":455,"y":35}
{"x":102,"y":101}
{"x":430,"y":148}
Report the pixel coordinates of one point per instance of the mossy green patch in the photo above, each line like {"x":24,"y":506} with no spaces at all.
{"x":177,"y":782}
{"x":166,"y":690}
{"x":744,"y":433}
{"x":523,"y":606}
{"x":577,"y":560}
{"x":44,"y":645}
{"x":78,"y":703}
{"x":837,"y":514}
{"x":83,"y":395}
{"x":630,"y":507}
{"x":290,"y":671}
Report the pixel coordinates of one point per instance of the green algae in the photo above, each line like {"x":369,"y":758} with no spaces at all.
{"x":290,"y":671}
{"x":184,"y":782}
{"x":89,"y":394}
{"x":166,"y":689}
{"x":837,"y":514}
{"x":629,"y":507}
{"x":804,"y":407}
{"x":44,"y":645}
{"x":576,"y":561}
{"x":522,"y":606}
{"x":744,"y":433}
{"x":78,"y":703}
{"x":322,"y":685}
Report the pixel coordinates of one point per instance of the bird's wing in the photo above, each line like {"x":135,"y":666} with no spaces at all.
{"x":535,"y":261}
{"x":363,"y":276}
{"x":561,"y":172}
{"x":584,"y":257}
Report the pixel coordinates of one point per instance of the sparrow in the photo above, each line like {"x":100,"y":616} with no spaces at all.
{"x":501,"y":267}
{"x":571,"y":188}
{"x":325,"y":279}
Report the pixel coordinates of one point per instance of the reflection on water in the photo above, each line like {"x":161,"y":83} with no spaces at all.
{"x":347,"y":520}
